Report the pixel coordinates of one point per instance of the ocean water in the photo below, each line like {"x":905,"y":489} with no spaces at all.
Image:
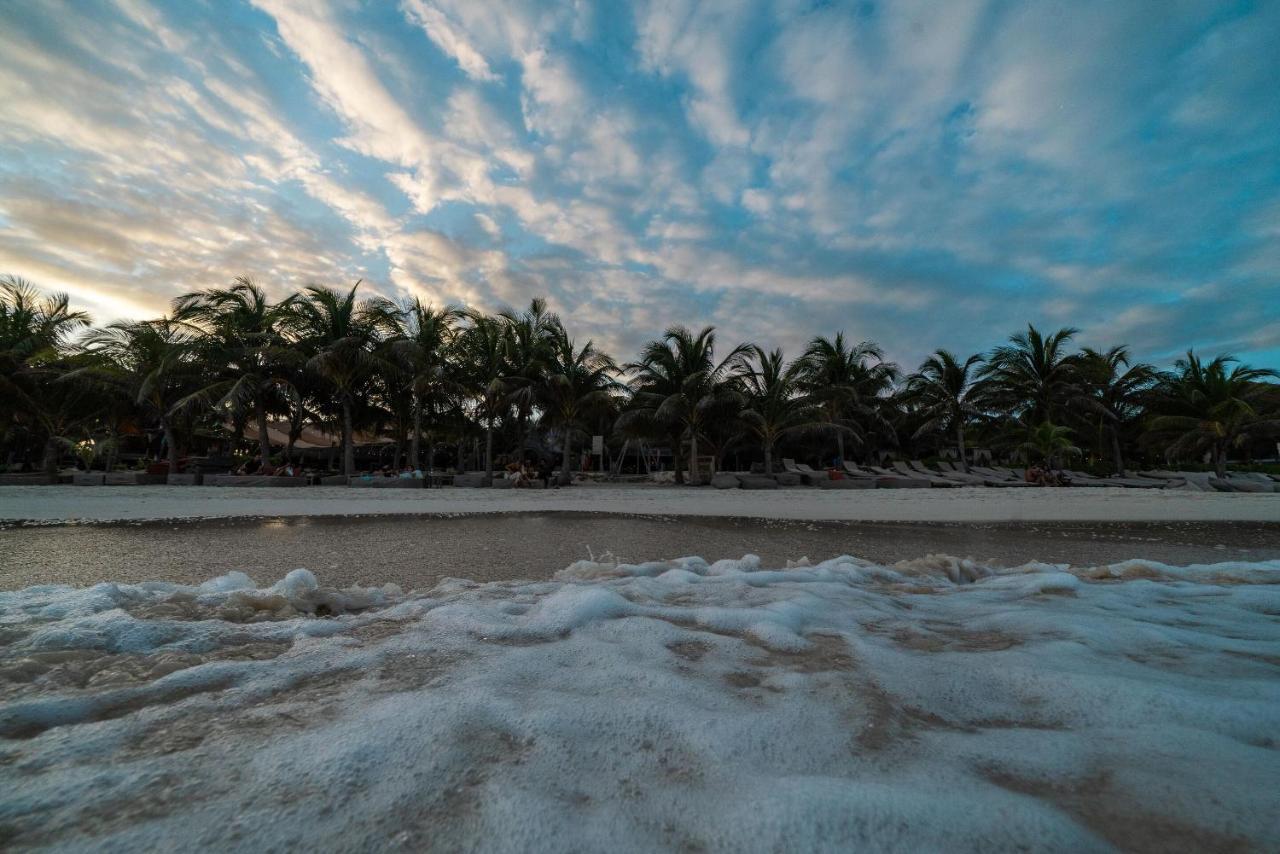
{"x":935,"y":704}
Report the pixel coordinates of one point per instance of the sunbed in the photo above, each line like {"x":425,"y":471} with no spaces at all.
{"x":933,"y":479}
{"x":808,"y":476}
{"x":970,"y":479}
{"x":883,"y":481}
{"x":251,"y":480}
{"x":1085,"y":479}
{"x":919,"y":467}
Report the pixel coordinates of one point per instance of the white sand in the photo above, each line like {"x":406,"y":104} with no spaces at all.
{"x":102,"y":504}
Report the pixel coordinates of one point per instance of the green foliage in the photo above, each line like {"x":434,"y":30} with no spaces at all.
{"x":229,"y":357}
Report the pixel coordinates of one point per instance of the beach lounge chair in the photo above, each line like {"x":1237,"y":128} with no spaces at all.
{"x":936,"y":480}
{"x":808,"y":476}
{"x":386,"y":483}
{"x":953,"y":474}
{"x":856,"y":473}
{"x":887,"y":480}
{"x":998,"y":474}
{"x":1235,"y":483}
{"x":1085,"y":479}
{"x":881,"y":482}
{"x":954,"y":470}
{"x":251,"y":480}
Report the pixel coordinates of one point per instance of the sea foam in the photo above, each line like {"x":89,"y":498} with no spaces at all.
{"x":934,"y":704}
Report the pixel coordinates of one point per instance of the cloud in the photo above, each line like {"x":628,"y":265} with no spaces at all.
{"x":919,"y":173}
{"x":447,"y":36}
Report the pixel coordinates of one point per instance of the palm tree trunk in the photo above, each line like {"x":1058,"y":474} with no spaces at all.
{"x":113,"y":443}
{"x":348,"y":443}
{"x":1117,"y":452}
{"x":1220,"y":459}
{"x":521,"y":435}
{"x":488,"y":453}
{"x":768,"y":458}
{"x":840,"y":443}
{"x":170,"y":445}
{"x":677,"y":457}
{"x":264,"y":441}
{"x":565,"y":457}
{"x":693,"y":459}
{"x":964,"y":458}
{"x":417,"y":432}
{"x":51,"y":455}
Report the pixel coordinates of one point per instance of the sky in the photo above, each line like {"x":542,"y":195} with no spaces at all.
{"x":918,"y":173}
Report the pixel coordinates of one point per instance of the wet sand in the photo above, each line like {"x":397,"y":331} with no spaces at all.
{"x":418,"y":551}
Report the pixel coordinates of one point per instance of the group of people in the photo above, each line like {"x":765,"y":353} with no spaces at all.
{"x":264,"y":468}
{"x":406,"y":473}
{"x":523,"y":474}
{"x":1041,"y":476}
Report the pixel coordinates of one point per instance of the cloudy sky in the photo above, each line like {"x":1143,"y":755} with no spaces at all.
{"x":920,"y":173}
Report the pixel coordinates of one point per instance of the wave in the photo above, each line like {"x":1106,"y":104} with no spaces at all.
{"x":932,"y":703}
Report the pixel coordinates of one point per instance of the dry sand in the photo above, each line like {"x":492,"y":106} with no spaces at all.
{"x":72,"y":503}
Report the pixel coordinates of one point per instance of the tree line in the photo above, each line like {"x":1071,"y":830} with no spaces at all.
{"x":423,"y":375}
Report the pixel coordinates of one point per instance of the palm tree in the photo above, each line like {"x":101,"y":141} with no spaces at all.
{"x":32,"y":327}
{"x":1212,"y":407}
{"x":849,"y":381}
{"x":422,"y":344}
{"x":579,"y":383}
{"x":678,"y":385}
{"x":776,"y":405}
{"x":1115,"y":389}
{"x":339,"y":332}
{"x":241,"y":331}
{"x":1032,"y":377}
{"x":34,"y":332}
{"x":150,"y":363}
{"x":530,"y":336}
{"x":1047,"y":442}
{"x":942,"y":389}
{"x":482,"y":354}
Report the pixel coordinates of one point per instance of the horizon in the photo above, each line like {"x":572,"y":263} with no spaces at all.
{"x":919,"y":176}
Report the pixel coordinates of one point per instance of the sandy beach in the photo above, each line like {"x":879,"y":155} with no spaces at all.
{"x":417,"y":552}
{"x":55,"y":504}
{"x":718,"y":670}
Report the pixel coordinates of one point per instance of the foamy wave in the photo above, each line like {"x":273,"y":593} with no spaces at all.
{"x":935,"y":703}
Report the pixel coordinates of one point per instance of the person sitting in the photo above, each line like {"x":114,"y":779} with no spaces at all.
{"x":406,"y":473}
{"x":1037,"y":475}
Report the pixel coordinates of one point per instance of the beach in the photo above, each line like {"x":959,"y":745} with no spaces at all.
{"x":417,"y":552}
{"x":61,"y":504}
{"x":83,"y":536}
{"x":638,"y":668}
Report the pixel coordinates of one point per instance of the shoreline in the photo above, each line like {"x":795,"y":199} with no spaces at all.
{"x":418,"y":551}
{"x":73,"y":505}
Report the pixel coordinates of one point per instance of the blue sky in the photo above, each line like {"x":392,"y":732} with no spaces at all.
{"x":919,"y":173}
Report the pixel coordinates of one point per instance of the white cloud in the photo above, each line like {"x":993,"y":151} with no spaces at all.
{"x":447,"y":36}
